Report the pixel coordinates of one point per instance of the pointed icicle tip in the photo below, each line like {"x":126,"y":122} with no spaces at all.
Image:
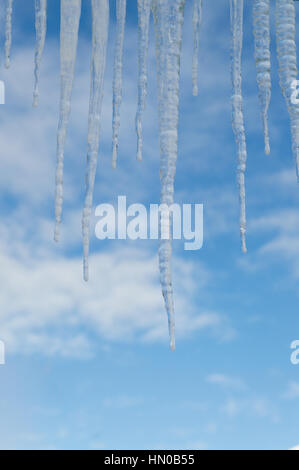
{"x":267,"y":148}
{"x":262,"y":55}
{"x":114,"y":157}
{"x":35,"y":100}
{"x":168,"y":20}
{"x":139,"y":138}
{"x":236,"y":12}
{"x":56,"y":233}
{"x":100,"y":26}
{"x":70,"y":13}
{"x":86,"y":273}
{"x":243,"y":243}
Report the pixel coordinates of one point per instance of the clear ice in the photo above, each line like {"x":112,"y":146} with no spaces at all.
{"x":236,"y":16}
{"x":168,"y":19}
{"x":144,"y":10}
{"x":197,"y":19}
{"x":69,"y":27}
{"x":121,"y":6}
{"x":100,"y":24}
{"x":286,"y":52}
{"x":41,"y":28}
{"x":261,"y":31}
{"x":8,"y":32}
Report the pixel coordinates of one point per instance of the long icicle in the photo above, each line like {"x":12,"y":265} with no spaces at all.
{"x":144,"y":10}
{"x":236,"y":15}
{"x":100,"y":24}
{"x":121,"y":6}
{"x":197,"y":19}
{"x":8,"y":32}
{"x":261,"y":31}
{"x":41,"y":29}
{"x":69,"y":27}
{"x":286,"y":51}
{"x":168,"y":18}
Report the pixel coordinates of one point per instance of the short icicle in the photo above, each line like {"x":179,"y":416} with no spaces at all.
{"x":144,"y":10}
{"x":168,"y":19}
{"x":8,"y":32}
{"x":261,"y":31}
{"x":197,"y":19}
{"x":236,"y":15}
{"x":41,"y":29}
{"x":121,"y":6}
{"x":69,"y":27}
{"x":286,"y":51}
{"x":100,"y":24}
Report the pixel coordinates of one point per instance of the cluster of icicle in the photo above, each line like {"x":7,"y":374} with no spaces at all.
{"x":168,"y":20}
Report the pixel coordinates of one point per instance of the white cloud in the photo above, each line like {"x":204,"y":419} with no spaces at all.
{"x":264,"y":409}
{"x":225,"y":381}
{"x":97,"y":445}
{"x":122,"y":401}
{"x":251,"y":405}
{"x":281,"y":245}
{"x":232,"y":407}
{"x":284,"y":221}
{"x":285,"y":179}
{"x":196,"y":445}
{"x":45,"y":305}
{"x":295,"y":447}
{"x":292,"y":390}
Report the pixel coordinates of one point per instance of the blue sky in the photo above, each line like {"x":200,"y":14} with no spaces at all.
{"x":89,"y":366}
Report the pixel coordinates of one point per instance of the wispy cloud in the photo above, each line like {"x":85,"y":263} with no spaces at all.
{"x":45,"y":303}
{"x":226,"y":381}
{"x":232,"y":407}
{"x":123,"y":401}
{"x":292,"y":391}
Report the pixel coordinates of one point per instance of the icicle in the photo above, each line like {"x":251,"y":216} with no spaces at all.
{"x":70,"y":17}
{"x":8,"y":29}
{"x":100,"y":23}
{"x":197,"y":18}
{"x":236,"y":15}
{"x":121,"y":6}
{"x":286,"y":50}
{"x":169,"y":18}
{"x":41,"y":27}
{"x":144,"y":9}
{"x":261,"y":31}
